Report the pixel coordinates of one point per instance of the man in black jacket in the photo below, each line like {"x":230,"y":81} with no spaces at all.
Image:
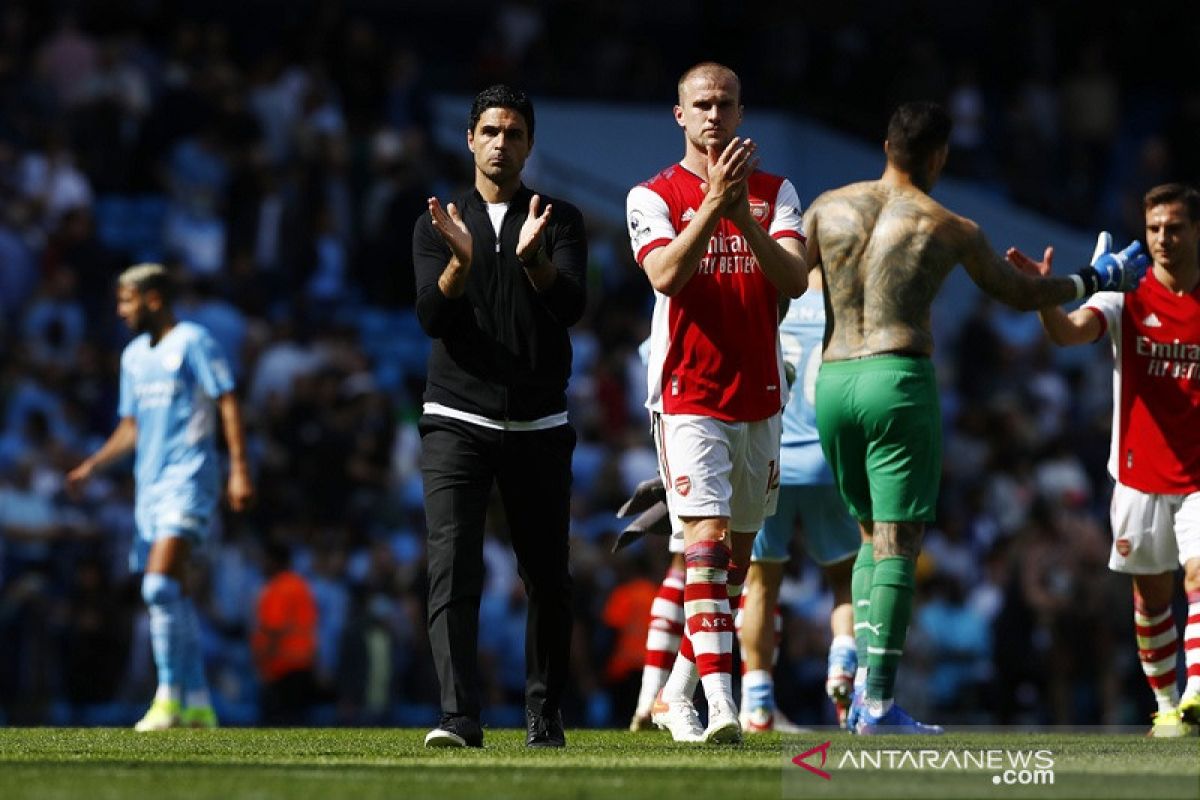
{"x":500,"y":277}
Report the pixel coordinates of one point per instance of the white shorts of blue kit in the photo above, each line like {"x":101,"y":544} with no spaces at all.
{"x":165,"y":513}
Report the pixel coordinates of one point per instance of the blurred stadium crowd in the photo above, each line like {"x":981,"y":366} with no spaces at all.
{"x":276,"y":155}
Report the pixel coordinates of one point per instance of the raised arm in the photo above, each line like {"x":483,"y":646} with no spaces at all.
{"x":672,"y":264}
{"x":782,"y":260}
{"x":556,"y":262}
{"x":441,"y":263}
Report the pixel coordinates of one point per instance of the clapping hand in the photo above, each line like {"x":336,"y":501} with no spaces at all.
{"x":529,"y":240}
{"x":449,"y":223}
{"x":728,"y":170}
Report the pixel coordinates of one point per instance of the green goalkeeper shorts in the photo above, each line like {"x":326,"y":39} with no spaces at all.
{"x":880,"y":425}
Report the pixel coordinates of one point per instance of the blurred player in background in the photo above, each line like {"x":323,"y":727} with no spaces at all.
{"x":885,"y":247}
{"x":663,"y":636}
{"x":1155,"y":452}
{"x":719,"y":242}
{"x":831,"y":536}
{"x":174,"y":383}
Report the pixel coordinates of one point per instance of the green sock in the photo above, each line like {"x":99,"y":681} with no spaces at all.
{"x":860,"y":596}
{"x":891,"y":609}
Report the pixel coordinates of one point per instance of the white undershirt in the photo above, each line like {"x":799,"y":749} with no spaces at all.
{"x":497,"y":211}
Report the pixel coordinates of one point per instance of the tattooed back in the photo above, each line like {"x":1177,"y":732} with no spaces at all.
{"x":885,"y":251}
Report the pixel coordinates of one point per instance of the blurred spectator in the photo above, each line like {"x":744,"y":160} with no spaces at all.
{"x":53,"y":328}
{"x":284,"y":641}
{"x":627,"y":611}
{"x":18,"y":272}
{"x":67,"y":60}
{"x":50,"y":179}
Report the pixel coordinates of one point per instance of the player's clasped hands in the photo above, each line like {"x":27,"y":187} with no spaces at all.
{"x":729,"y":168}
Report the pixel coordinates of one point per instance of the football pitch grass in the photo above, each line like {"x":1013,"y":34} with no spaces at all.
{"x":324,"y":763}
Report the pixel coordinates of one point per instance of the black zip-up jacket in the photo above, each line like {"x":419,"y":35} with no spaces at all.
{"x":501,"y":350}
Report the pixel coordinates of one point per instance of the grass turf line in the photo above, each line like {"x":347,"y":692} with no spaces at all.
{"x":230,"y":763}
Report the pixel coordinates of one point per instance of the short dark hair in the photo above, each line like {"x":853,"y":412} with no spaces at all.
{"x":149,"y":277}
{"x":502,"y":96}
{"x":1174,"y":193}
{"x":915,"y":132}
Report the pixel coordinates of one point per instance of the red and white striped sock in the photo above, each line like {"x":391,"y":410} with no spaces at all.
{"x":684,"y":676}
{"x":1191,"y":644}
{"x":1158,"y":649}
{"x":709,"y":622}
{"x":662,"y":639}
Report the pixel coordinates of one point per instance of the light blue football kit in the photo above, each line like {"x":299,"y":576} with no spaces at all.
{"x":170,"y":390}
{"x":807,"y":491}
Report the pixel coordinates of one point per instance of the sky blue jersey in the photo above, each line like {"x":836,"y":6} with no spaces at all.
{"x":170,"y":390}
{"x":800,"y":336}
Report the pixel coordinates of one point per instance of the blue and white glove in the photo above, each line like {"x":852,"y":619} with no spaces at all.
{"x":1112,"y":272}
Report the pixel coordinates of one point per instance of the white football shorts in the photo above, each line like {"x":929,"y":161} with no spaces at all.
{"x":712,"y":468}
{"x":1153,"y":533}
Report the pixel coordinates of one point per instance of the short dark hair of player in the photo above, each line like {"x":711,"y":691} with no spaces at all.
{"x":915,"y":132}
{"x":149,"y":277}
{"x":1174,"y":193}
{"x":501,"y":96}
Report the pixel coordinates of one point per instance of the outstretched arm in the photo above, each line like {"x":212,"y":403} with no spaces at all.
{"x":1007,"y":284}
{"x":1078,"y":327}
{"x":1112,"y":272}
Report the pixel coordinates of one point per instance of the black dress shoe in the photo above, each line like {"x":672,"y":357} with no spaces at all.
{"x":545,"y":729}
{"x":456,"y":730}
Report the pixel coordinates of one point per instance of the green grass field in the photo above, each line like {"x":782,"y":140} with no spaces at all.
{"x":368,"y":763}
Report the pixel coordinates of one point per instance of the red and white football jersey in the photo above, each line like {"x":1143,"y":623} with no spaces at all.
{"x":1156,"y":386}
{"x":714,"y":347}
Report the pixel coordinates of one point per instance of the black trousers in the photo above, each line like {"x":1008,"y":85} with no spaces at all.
{"x":532,"y":469}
